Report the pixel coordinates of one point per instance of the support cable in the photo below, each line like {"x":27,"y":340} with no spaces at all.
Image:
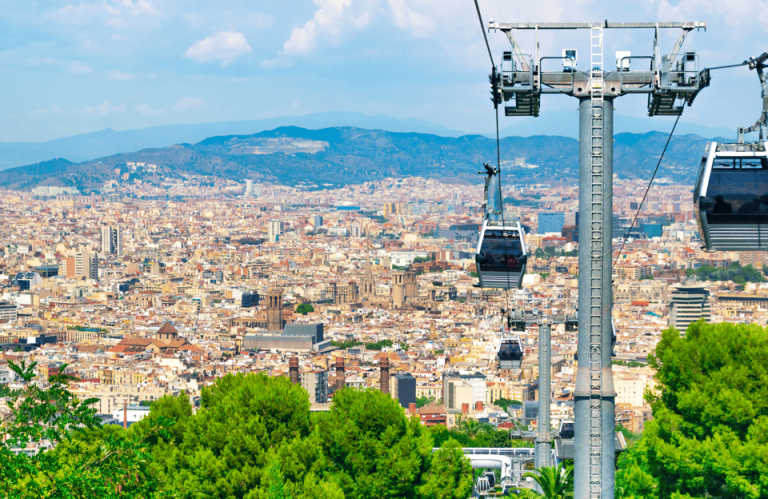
{"x":650,"y":183}
{"x":495,"y":97}
{"x":482,"y":28}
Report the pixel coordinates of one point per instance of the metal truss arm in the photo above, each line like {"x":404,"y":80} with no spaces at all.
{"x":516,"y":50}
{"x":759,"y":64}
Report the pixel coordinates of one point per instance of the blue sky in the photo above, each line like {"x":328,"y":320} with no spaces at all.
{"x":68,"y":68}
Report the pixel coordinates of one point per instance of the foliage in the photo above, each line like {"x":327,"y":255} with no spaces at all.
{"x":551,"y":252}
{"x":422,"y":401}
{"x":378,"y":345}
{"x":223,"y":450}
{"x":454,"y":479}
{"x":555,"y":482}
{"x":439,"y":352}
{"x":470,"y":433}
{"x":543,"y":275}
{"x":304,"y":308}
{"x":474,"y":274}
{"x":736,"y":273}
{"x":88,"y":460}
{"x":87,"y":329}
{"x":505,"y":403}
{"x":628,"y":363}
{"x":647,"y":278}
{"x":346,"y":344}
{"x":708,"y":435}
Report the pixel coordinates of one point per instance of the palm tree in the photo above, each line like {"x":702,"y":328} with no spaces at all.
{"x":555,"y":482}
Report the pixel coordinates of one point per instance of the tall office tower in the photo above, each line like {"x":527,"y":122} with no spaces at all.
{"x":356,"y":231}
{"x":551,"y":222}
{"x":275,"y":309}
{"x":112,"y":240}
{"x":86,"y":265}
{"x":687,"y":304}
{"x":249,"y":187}
{"x":403,"y":388}
{"x":274,"y":230}
{"x":318,"y":221}
{"x":316,"y":384}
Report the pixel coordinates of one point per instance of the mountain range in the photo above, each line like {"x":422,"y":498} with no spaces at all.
{"x":347,"y":155}
{"x":90,"y":146}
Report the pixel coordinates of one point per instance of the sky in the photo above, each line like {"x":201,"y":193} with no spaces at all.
{"x":69,"y":68}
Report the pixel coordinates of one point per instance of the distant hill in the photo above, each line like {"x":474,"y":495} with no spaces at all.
{"x":347,"y":155}
{"x":86,"y":147}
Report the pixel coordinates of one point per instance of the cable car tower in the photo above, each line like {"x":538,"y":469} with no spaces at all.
{"x":670,"y":83}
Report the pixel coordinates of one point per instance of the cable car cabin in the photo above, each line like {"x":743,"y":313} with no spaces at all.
{"x":501,"y":256}
{"x":567,"y":430}
{"x":510,"y":353}
{"x":731,"y":197}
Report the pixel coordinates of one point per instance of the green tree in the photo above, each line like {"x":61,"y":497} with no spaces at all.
{"x":555,"y":482}
{"x":422,"y":401}
{"x":304,"y":308}
{"x":224,"y":449}
{"x":373,"y":450}
{"x":505,"y":403}
{"x":276,"y":484}
{"x":88,"y":460}
{"x":708,"y":435}
{"x":450,"y":475}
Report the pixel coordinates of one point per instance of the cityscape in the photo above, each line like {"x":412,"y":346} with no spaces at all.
{"x":302,"y":307}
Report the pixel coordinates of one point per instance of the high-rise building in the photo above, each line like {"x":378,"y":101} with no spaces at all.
{"x":317,"y":221}
{"x":316,"y":385}
{"x":112,"y":240}
{"x":248,"y":187}
{"x":687,"y":304}
{"x":757,"y":259}
{"x":274,"y":230}
{"x":551,"y":222}
{"x":8,"y":311}
{"x":249,"y":299}
{"x":355,"y":231}
{"x":82,"y":264}
{"x":403,"y":388}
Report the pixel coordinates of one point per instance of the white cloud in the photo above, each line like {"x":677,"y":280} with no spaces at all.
{"x":328,"y":19}
{"x":406,"y":18}
{"x":188,"y":103}
{"x":225,"y":46}
{"x":87,"y":13}
{"x":146,"y":110}
{"x":103,"y":109}
{"x":119,"y":75}
{"x":78,"y":67}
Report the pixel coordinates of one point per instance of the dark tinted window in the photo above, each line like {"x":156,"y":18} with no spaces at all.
{"x":737,"y":193}
{"x":510,"y":350}
{"x":501,"y":252}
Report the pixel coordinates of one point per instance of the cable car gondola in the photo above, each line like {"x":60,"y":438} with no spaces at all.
{"x":731,"y":194}
{"x":501,"y":254}
{"x":510,"y":353}
{"x":731,"y":197}
{"x":567,"y":430}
